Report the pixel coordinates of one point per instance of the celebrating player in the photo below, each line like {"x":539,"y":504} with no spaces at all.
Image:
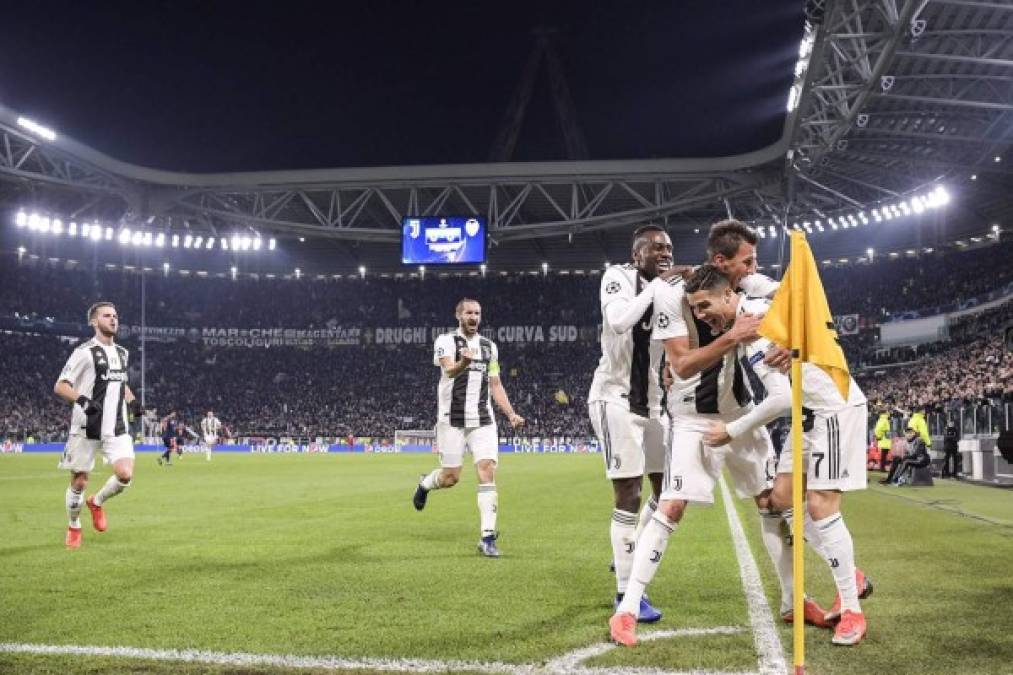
{"x":708,"y":386}
{"x":210,"y":426}
{"x":834,"y":435}
{"x":625,"y":402}
{"x":94,"y":380}
{"x":469,"y":374}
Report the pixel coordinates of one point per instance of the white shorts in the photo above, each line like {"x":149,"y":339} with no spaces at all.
{"x":451,"y":442}
{"x":210,"y":439}
{"x":834,"y":456}
{"x":79,"y":452}
{"x":632,"y":445}
{"x":694,"y":468}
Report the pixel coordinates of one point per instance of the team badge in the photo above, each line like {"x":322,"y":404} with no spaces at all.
{"x":663,"y":320}
{"x":612,"y":287}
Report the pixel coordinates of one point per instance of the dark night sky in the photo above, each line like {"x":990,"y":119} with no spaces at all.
{"x":214,"y":86}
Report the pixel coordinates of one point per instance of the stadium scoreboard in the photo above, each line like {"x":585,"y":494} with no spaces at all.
{"x":443,"y":240}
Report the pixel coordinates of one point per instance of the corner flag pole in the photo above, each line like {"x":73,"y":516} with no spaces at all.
{"x":797,"y":280}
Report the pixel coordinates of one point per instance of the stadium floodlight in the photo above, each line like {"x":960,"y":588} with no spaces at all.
{"x":124,"y":237}
{"x":917,"y":205}
{"x":807,"y":227}
{"x":165,"y":268}
{"x":362,"y":271}
{"x":160,"y":240}
{"x":235,"y":242}
{"x":422,"y":271}
{"x":256,"y":243}
{"x":870,"y":253}
{"x":271,"y":244}
{"x":198,"y":241}
{"x":233,"y":270}
{"x":246,"y":242}
{"x":210,"y":243}
{"x":225,"y":244}
{"x":942,"y":195}
{"x":72,"y":229}
{"x":819,"y":226}
{"x":974,"y":176}
{"x":57,"y":226}
{"x":33,"y":222}
{"x":44,"y":224}
{"x":545,"y":268}
{"x":137,"y":239}
{"x":482,"y":267}
{"x":96,"y":233}
{"x":21,"y":219}
{"x":37,"y":129}
{"x":187,"y":241}
{"x":148,"y":239}
{"x":905,"y":208}
{"x":298,"y":273}
{"x":772,"y":231}
{"x":998,"y":159}
{"x":21,"y":251}
{"x":762,"y":233}
{"x":109,"y":232}
{"x":887,"y":213}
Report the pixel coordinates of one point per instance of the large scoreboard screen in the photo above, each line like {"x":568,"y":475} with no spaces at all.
{"x":443,"y":240}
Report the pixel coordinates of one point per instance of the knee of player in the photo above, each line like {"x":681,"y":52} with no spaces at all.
{"x":672,"y":509}
{"x":449,"y":480}
{"x":125,"y":477}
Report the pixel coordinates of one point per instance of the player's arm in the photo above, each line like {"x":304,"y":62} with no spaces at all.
{"x":499,"y":395}
{"x":687,"y":362}
{"x":64,"y":387}
{"x":622,"y":312}
{"x":776,"y":404}
{"x":454,"y":368}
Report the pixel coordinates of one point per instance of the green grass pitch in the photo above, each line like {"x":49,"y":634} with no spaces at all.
{"x":323,"y":555}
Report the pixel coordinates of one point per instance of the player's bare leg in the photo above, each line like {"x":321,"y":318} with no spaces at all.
{"x":123,"y":472}
{"x":75,"y":502}
{"x":488,"y":506}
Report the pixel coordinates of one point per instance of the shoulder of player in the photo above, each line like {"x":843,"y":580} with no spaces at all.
{"x":86,"y":345}
{"x":753,"y":305}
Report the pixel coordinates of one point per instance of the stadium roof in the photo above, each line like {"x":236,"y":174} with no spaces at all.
{"x":889,"y":99}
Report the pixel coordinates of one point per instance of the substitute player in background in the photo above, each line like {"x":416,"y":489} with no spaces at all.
{"x":625,"y":401}
{"x":210,"y":426}
{"x":834,"y":440}
{"x":469,"y":382}
{"x":94,"y":381}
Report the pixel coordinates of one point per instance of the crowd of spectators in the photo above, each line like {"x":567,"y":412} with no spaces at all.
{"x":372,"y":389}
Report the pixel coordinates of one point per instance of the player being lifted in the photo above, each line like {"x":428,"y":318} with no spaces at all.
{"x":625,"y":401}
{"x":210,"y":426}
{"x":469,"y":382}
{"x":94,"y":380}
{"x":708,"y":386}
{"x":834,"y":439}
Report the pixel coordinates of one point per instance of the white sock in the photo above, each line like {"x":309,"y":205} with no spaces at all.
{"x":487,"y":507}
{"x":431,"y":481}
{"x":112,"y":488}
{"x":645,"y":515}
{"x":623,"y":533}
{"x":839,"y":551}
{"x":74,"y":501}
{"x":780,"y":554}
{"x":809,"y":531}
{"x":650,"y":548}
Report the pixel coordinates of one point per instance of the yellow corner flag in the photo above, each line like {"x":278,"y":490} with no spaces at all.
{"x":800,"y":318}
{"x":819,"y":344}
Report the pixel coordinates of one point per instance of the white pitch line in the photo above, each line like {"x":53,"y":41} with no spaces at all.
{"x":768,"y":644}
{"x":568,"y":664}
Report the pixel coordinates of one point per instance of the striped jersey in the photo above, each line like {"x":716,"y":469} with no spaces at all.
{"x":99,"y":372}
{"x":720,"y":388}
{"x":464,"y":400}
{"x":210,"y":425}
{"x":629,"y":371}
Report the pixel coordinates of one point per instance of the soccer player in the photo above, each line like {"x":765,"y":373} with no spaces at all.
{"x":94,"y":380}
{"x":708,"y":386}
{"x":625,"y":401}
{"x":210,"y":426}
{"x":469,"y":382}
{"x":168,"y":426}
{"x":834,"y":435}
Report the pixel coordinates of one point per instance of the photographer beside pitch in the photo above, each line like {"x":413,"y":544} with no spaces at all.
{"x":94,"y":381}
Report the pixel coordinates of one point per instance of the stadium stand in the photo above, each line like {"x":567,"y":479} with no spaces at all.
{"x":371,"y":389}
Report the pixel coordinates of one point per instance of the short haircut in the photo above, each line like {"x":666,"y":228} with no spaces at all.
{"x":727,"y":236}
{"x":460,"y":304}
{"x":705,"y":278}
{"x":638,"y":234}
{"x":93,"y":310}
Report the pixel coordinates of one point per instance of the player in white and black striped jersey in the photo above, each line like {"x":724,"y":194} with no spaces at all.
{"x":210,"y":427}
{"x":469,"y":383}
{"x":708,"y":383}
{"x":94,"y":381}
{"x":626,"y":400}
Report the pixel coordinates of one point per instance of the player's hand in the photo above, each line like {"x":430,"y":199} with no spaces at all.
{"x":745,"y":327}
{"x":716,"y":434}
{"x":467,"y":355}
{"x":684,"y":271}
{"x":90,"y":407}
{"x":516,"y":421}
{"x":778,"y":358}
{"x":135,"y":408}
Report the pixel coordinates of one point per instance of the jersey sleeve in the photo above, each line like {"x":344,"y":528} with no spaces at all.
{"x":75,"y":366}
{"x":615,"y":286}
{"x":669,"y":321}
{"x":754,"y":353}
{"x":444,"y":346}
{"x":759,"y":286}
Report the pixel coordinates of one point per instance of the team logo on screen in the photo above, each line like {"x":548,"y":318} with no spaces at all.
{"x":471,"y":227}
